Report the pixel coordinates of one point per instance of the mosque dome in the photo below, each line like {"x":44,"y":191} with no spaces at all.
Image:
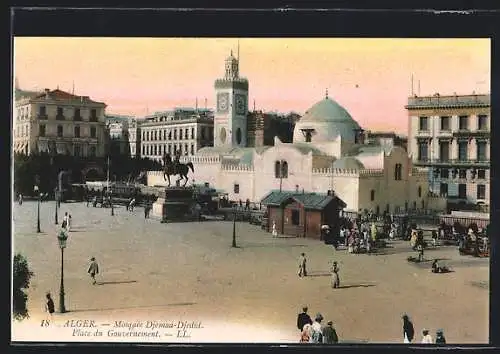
{"x":326,"y":120}
{"x":348,"y":163}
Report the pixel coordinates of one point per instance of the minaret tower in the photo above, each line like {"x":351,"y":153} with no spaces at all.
{"x":230,"y":121}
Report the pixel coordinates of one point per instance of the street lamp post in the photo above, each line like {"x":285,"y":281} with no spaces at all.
{"x":111,"y":203}
{"x":38,"y":209}
{"x":56,"y":197}
{"x":62,"y":237}
{"x":234,"y":227}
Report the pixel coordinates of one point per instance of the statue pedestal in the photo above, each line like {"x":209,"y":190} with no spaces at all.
{"x":174,"y":204}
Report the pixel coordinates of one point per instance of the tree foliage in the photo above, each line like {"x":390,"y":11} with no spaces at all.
{"x":21,"y":281}
{"x":47,"y":167}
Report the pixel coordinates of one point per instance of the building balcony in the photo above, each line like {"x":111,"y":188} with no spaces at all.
{"x":67,"y":139}
{"x":42,"y":116}
{"x":453,"y":162}
{"x":472,"y":134}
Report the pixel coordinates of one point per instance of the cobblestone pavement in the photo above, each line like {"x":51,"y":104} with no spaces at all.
{"x":189,"y":272}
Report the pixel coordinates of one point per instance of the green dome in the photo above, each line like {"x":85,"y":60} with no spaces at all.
{"x":327,"y":110}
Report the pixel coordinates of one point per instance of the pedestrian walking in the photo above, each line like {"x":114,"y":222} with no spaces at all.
{"x":68,"y":226}
{"x":302,"y":265}
{"x":20,"y":199}
{"x":303,"y":318}
{"x":131,"y":205}
{"x":65,"y":222}
{"x":408,"y":330}
{"x":317,"y":329}
{"x":426,"y":337}
{"x":440,"y":339}
{"x":330,"y":334}
{"x":335,"y":275}
{"x":274,"y":231}
{"x":93,"y":270}
{"x":49,"y":305}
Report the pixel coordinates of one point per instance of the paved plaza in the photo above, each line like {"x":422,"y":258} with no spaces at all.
{"x":157,"y":273}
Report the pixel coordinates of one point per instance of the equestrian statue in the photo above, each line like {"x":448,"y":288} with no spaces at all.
{"x":172,"y":168}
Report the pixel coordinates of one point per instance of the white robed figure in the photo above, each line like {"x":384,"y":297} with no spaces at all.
{"x":274,"y":232}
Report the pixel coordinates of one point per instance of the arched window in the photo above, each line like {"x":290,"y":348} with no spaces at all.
{"x":372,"y":195}
{"x":419,"y":191}
{"x":277,"y":169}
{"x":284,"y":169}
{"x":377,"y":210}
{"x":398,"y":172}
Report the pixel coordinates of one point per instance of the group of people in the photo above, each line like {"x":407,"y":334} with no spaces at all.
{"x":315,"y":332}
{"x":409,"y":333}
{"x":334,"y":270}
{"x":359,"y":238}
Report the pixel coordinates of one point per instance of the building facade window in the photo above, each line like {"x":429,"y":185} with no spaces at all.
{"x":42,"y":129}
{"x":93,"y":115}
{"x":423,"y":124}
{"x":481,"y":151}
{"x":192,"y":149}
{"x":192,"y":133}
{"x":463,"y":123}
{"x":77,"y":115}
{"x":419,"y":192}
{"x":482,"y":122}
{"x":93,"y":132}
{"x":77,"y":131}
{"x":445,"y":123}
{"x":444,"y":151}
{"x":60,"y":131}
{"x":236,"y":188}
{"x":398,"y":172}
{"x":481,"y":174}
{"x":445,"y":173}
{"x":443,"y":189}
{"x":281,"y":169}
{"x":175,"y":134}
{"x":42,"y":111}
{"x":462,"y":173}
{"x":462,"y":191}
{"x":423,"y":151}
{"x":462,"y":150}
{"x":481,"y":191}
{"x":77,"y":151}
{"x":93,"y":151}
{"x":372,"y":195}
{"x":59,"y":115}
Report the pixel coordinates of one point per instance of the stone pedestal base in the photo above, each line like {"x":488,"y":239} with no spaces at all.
{"x":174,"y":204}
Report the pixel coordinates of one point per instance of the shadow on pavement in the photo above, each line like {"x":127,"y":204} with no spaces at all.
{"x":356,"y":286}
{"x":132,"y":307}
{"x":318,"y":274}
{"x":116,"y":282}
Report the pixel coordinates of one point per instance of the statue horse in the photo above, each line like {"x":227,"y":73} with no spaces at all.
{"x":172,"y":168}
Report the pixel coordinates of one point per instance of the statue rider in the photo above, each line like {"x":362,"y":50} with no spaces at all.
{"x":176,"y":161}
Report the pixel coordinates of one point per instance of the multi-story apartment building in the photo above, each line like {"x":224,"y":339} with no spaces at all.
{"x":262,"y":127}
{"x":183,"y":131}
{"x":57,"y":121}
{"x":118,"y":133}
{"x":451,"y":134}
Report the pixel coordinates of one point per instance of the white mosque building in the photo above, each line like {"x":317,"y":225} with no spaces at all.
{"x":327,"y":153}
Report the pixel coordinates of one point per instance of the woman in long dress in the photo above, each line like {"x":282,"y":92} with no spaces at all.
{"x":335,"y":276}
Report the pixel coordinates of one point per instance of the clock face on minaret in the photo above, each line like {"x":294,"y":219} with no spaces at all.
{"x":222,"y":102}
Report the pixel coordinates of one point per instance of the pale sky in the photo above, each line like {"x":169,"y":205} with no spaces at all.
{"x":371,"y":78}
